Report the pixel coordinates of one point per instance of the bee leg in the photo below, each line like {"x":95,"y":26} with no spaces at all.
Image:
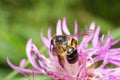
{"x":61,"y":61}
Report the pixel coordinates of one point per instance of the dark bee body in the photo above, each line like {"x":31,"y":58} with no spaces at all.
{"x":65,"y":46}
{"x":72,"y":55}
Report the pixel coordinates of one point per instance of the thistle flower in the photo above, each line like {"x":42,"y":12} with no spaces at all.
{"x":93,"y":63}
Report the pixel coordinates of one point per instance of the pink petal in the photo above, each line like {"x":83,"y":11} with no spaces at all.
{"x":30,"y":55}
{"x":75,"y":29}
{"x":95,"y":38}
{"x":45,"y":40}
{"x":115,"y":42}
{"x":64,"y":27}
{"x":21,"y":70}
{"x":22,"y":62}
{"x":105,"y":61}
{"x":107,"y":45}
{"x":40,"y":58}
{"x":49,"y":34}
{"x":92,"y":26}
{"x":84,"y":43}
{"x":58,"y":29}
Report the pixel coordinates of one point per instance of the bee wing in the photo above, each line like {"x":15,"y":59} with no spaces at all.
{"x":82,"y":34}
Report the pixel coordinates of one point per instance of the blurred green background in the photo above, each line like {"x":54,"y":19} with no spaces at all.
{"x":23,"y":19}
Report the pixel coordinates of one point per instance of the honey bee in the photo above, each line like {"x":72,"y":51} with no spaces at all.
{"x":66,"y":45}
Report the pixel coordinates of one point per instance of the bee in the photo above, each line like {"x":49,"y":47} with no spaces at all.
{"x":66,"y":46}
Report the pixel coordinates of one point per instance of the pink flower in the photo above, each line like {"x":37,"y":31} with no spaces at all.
{"x":95,"y":57}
